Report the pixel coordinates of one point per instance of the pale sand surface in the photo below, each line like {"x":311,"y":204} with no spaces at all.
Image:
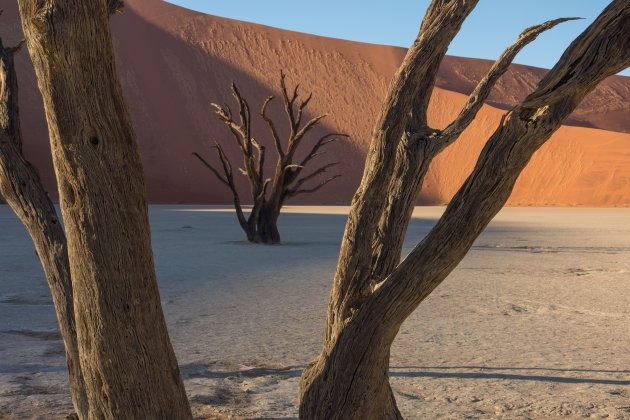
{"x":535,"y":323}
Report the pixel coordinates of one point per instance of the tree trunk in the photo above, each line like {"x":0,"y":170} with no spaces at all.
{"x":351,"y":382}
{"x":413,"y":159}
{"x":21,"y":186}
{"x":349,"y":378}
{"x":267,"y":230}
{"x":128,"y":364}
{"x":403,"y":114}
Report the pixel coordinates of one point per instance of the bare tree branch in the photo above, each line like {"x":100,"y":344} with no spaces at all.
{"x":228,"y":181}
{"x":17,"y":48}
{"x":288,"y":103}
{"x":361,"y":327}
{"x":241,"y":132}
{"x":292,"y":167}
{"x":498,"y":69}
{"x":212,"y":169}
{"x":314,"y":174}
{"x":245,"y":117}
{"x":323,"y":141}
{"x":293,"y":193}
{"x":9,"y":104}
{"x":294,"y":142}
{"x":225,"y":115}
{"x":301,"y":108}
{"x":272,"y":127}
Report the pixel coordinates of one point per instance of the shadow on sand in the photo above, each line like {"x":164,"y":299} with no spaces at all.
{"x":442,"y":372}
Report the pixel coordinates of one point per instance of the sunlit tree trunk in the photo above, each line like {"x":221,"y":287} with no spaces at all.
{"x":126,"y":358}
{"x":372,"y":294}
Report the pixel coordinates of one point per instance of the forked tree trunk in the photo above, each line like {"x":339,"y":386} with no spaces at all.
{"x":21,"y":187}
{"x":128,"y":364}
{"x":349,"y":378}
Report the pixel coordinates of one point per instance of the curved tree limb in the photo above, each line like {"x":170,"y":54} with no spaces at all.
{"x":293,"y":193}
{"x":415,"y":153}
{"x":405,"y":109}
{"x":272,"y":127}
{"x":301,"y":108}
{"x":241,"y":131}
{"x":312,"y":175}
{"x":323,"y":141}
{"x":225,"y":115}
{"x":288,"y":102}
{"x":601,"y":51}
{"x":227,"y":180}
{"x":246,"y":119}
{"x":484,"y":87}
{"x":212,"y":169}
{"x":294,"y":142}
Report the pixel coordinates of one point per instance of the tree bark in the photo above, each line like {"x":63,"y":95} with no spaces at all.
{"x":22,"y":189}
{"x":349,"y":378}
{"x":126,"y":358}
{"x":404,"y":112}
{"x":267,"y":229}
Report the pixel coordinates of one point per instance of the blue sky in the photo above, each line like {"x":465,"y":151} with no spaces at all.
{"x":493,"y":25}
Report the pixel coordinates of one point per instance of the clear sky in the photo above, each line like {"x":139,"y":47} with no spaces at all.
{"x":493,"y":25}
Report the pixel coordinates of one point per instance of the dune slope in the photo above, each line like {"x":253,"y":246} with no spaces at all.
{"x":173,"y":62}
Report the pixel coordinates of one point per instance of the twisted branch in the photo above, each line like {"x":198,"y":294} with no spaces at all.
{"x":484,"y":87}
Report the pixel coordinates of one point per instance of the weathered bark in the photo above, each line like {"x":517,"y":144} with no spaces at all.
{"x":262,"y":224}
{"x":404,"y":112}
{"x":23,"y":191}
{"x":416,"y":152}
{"x":126,"y":358}
{"x":349,"y":378}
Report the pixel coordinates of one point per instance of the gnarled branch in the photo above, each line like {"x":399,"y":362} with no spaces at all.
{"x":498,"y":69}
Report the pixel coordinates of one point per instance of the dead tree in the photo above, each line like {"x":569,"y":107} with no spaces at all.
{"x":262,"y":224}
{"x":128,"y":364}
{"x":22,"y":189}
{"x":372,"y":293}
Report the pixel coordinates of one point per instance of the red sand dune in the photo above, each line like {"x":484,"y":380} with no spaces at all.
{"x":173,"y":62}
